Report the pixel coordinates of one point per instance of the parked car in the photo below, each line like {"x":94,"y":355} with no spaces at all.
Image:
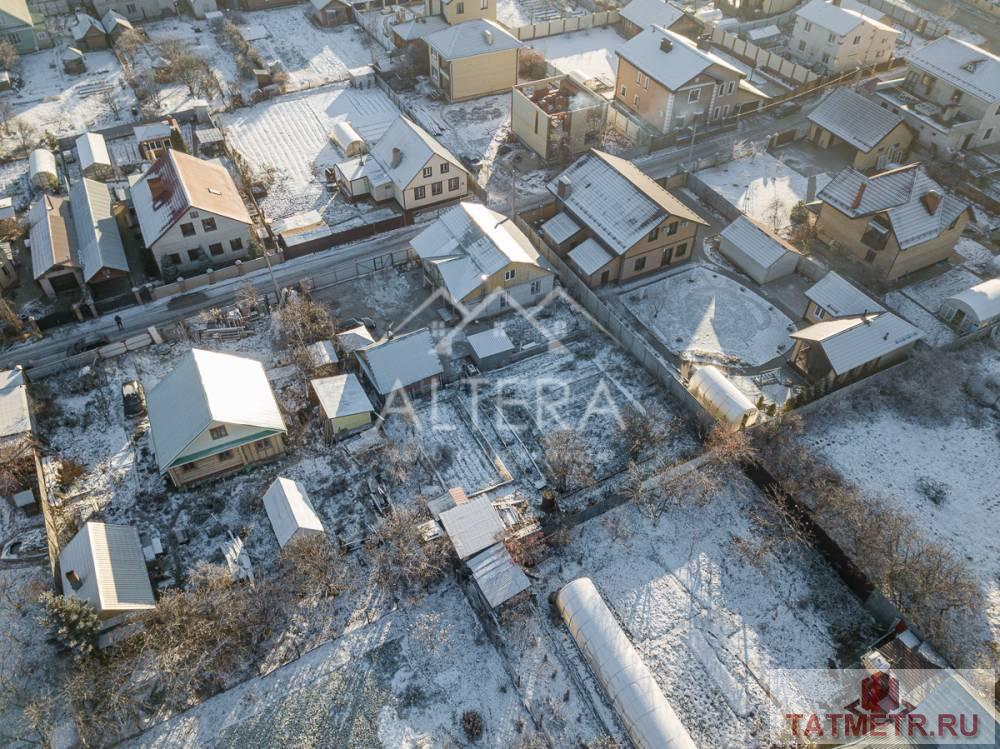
{"x":87,"y":343}
{"x":133,"y":399}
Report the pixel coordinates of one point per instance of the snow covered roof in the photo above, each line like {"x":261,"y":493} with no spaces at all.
{"x":673,"y":68}
{"x":850,"y":342}
{"x":981,"y":302}
{"x":289,"y":510}
{"x":838,"y":19}
{"x":765,"y":32}
{"x":419,"y":27}
{"x":15,"y":411}
{"x":840,"y":298}
{"x":18,"y":10}
{"x":401,"y":361}
{"x":589,"y":256}
{"x":204,"y":388}
{"x":297,"y":222}
{"x":98,"y":242}
{"x":761,"y":245}
{"x":113,"y":19}
{"x":469,"y":243}
{"x":967,"y":67}
{"x":477,"y":37}
{"x":53,"y":241}
{"x":42,"y":161}
{"x":152,"y":131}
{"x":416,"y":146}
{"x":322,"y":353}
{"x":472,"y":526}
{"x":490,"y":342}
{"x":109,"y":566}
{"x":341,"y":395}
{"x":616,"y":200}
{"x":354,"y":338}
{"x":918,"y":208}
{"x":560,"y":227}
{"x":855,"y":119}
{"x":84,"y":24}
{"x":720,"y":396}
{"x":6,"y":207}
{"x":645,"y":13}
{"x":498,"y":576}
{"x":345,"y":136}
{"x":71,"y":53}
{"x":183,"y":183}
{"x":91,"y":149}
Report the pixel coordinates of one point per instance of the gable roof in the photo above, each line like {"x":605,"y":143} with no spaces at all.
{"x":838,"y":19}
{"x":840,"y":298}
{"x":98,"y":242}
{"x":91,"y":149}
{"x":589,"y":256}
{"x":113,"y":19}
{"x":289,"y":509}
{"x":416,"y":147}
{"x":472,"y":526}
{"x":401,"y":361}
{"x":15,"y":411}
{"x":671,"y":69}
{"x":84,"y":25}
{"x":207,"y":387}
{"x":855,"y":119}
{"x":188,"y":183}
{"x":645,"y":13}
{"x":53,"y":240}
{"x":498,"y":576}
{"x":354,"y":338}
{"x":617,"y":201}
{"x":419,"y":27}
{"x":468,"y":243}
{"x":470,"y":38}
{"x":850,"y":342}
{"x":963,"y":65}
{"x":761,"y":245}
{"x":341,"y":395}
{"x":108,"y":560}
{"x":16,"y":9}
{"x":900,"y":193}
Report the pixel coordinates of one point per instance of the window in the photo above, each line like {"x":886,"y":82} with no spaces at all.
{"x":188,"y":467}
{"x":452,"y":184}
{"x":681,"y":250}
{"x":504,"y":300}
{"x":174,"y":258}
{"x":987,"y":134}
{"x":428,"y":171}
{"x":808,"y":26}
{"x":870,"y":257}
{"x":731,"y":87}
{"x":445,"y":167}
{"x":263,"y":446}
{"x":437,"y":188}
{"x":640,"y":263}
{"x":638,"y":77}
{"x":857,"y":39}
{"x":635,"y":100}
{"x":509,"y":275}
{"x":654,"y":234}
{"x":208,"y":224}
{"x":225,"y":455}
{"x":725,"y":111}
{"x":826,"y":58}
{"x":624,"y":92}
{"x":130,"y":9}
{"x":484,"y":4}
{"x":802,"y":46}
{"x":460,"y":8}
{"x":236,"y":244}
{"x":215,"y":249}
{"x":193,"y":214}
{"x":645,"y":84}
{"x":715,"y":113}
{"x":195,"y":255}
{"x":187,"y":230}
{"x":217,"y":433}
{"x":536,"y":287}
{"x":419,"y":193}
{"x":832,"y":38}
{"x":694,"y":95}
{"x":672,"y":228}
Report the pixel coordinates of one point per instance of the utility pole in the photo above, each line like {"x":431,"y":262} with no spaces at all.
{"x":274,"y":281}
{"x":513,"y":193}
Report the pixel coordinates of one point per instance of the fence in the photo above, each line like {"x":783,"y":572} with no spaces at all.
{"x":762,"y":58}
{"x":565,"y":25}
{"x":61,"y":363}
{"x":715,"y":201}
{"x":240,"y":268}
{"x":907,"y":18}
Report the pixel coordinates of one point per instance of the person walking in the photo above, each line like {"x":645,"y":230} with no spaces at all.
{"x":119,"y":323}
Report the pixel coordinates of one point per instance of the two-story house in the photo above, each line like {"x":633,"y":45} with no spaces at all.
{"x":615,"y":223}
{"x":950,"y":96}
{"x":482,"y":261}
{"x":895,"y":222}
{"x":671,"y":83}
{"x":840,"y":38}
{"x":18,"y":26}
{"x":641,"y":14}
{"x":472,"y":59}
{"x":190,"y":212}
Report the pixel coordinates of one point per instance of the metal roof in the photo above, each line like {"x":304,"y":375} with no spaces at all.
{"x":982,"y":301}
{"x":322,"y":353}
{"x":838,"y":19}
{"x":98,"y":242}
{"x":109,"y":563}
{"x":850,"y":342}
{"x":207,"y":387}
{"x":490,"y":342}
{"x":760,"y":245}
{"x":646,"y":13}
{"x":354,"y":338}
{"x":401,"y":361}
{"x":839,"y":298}
{"x":477,"y":37}
{"x":53,"y":240}
{"x":589,"y":256}
{"x":341,"y":395}
{"x":673,"y":69}
{"x":112,"y":19}
{"x":561,"y":227}
{"x":967,"y":67}
{"x":855,"y":119}
{"x":498,"y":576}
{"x":289,"y":510}
{"x":84,"y":23}
{"x":416,"y":146}
{"x":15,"y":410}
{"x":419,"y":27}
{"x":91,"y":149}
{"x":472,"y":526}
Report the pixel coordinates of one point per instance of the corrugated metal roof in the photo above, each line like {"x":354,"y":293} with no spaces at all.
{"x":15,"y":411}
{"x":671,"y":69}
{"x":53,"y":238}
{"x":108,"y":560}
{"x":354,"y":338}
{"x":472,"y":526}
{"x":470,"y":38}
{"x":341,"y":395}
{"x":645,"y":13}
{"x":490,"y":342}
{"x":589,"y":256}
{"x":401,"y":361}
{"x":838,"y":19}
{"x":98,"y":241}
{"x":561,"y":227}
{"x":290,"y":510}
{"x":207,"y":387}
{"x":841,"y":299}
{"x":416,"y":147}
{"x":759,"y":244}
{"x":498,"y":576}
{"x":967,"y":67}
{"x":91,"y":149}
{"x":850,"y":342}
{"x":419,"y":27}
{"x":982,"y":300}
{"x":855,"y":119}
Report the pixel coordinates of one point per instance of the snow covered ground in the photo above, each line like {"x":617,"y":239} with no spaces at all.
{"x":976,"y":257}
{"x":591,"y":52}
{"x":930,"y":293}
{"x":703,"y":315}
{"x":55,"y":101}
{"x":936,"y":333}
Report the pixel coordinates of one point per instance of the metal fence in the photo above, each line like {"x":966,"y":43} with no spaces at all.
{"x":564,"y":25}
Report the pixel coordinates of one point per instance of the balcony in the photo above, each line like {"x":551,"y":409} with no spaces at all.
{"x":904,"y":99}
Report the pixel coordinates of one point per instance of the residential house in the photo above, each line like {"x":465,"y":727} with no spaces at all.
{"x":407,"y":363}
{"x":290,"y":511}
{"x":874,"y":135}
{"x":115,"y":24}
{"x":16,"y":419}
{"x":895,"y":222}
{"x":839,"y":38}
{"x":19,"y":27}
{"x":638,"y":15}
{"x":455,"y":12}
{"x":977,"y":308}
{"x":838,"y":351}
{"x":93,"y":157}
{"x":103,"y":564}
{"x":632,"y":226}
{"x":669,"y":82}
{"x":833,"y":297}
{"x":557,"y":117}
{"x":214,"y":414}
{"x":153,"y":139}
{"x":413,"y":32}
{"x":758,"y":251}
{"x":136,"y":10}
{"x":190,"y":212}
{"x":330,"y":12}
{"x":472,"y":59}
{"x":99,"y":250}
{"x":482,"y":261}
{"x":761,"y":8}
{"x":950,"y":95}
{"x":343,"y":404}
{"x":88,"y":33}
{"x":54,"y":264}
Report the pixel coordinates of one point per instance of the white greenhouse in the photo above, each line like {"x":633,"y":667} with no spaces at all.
{"x":721,"y":398}
{"x":347,"y":138}
{"x":42,"y":168}
{"x":290,"y":511}
{"x":975,"y":308}
{"x":647,"y":716}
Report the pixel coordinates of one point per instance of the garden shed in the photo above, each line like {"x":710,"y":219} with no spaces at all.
{"x":758,"y":252}
{"x":323,"y":357}
{"x":290,"y":511}
{"x":344,"y":406}
{"x":95,"y":161}
{"x":472,"y":526}
{"x":721,"y":397}
{"x":975,"y":308}
{"x":491,"y":348}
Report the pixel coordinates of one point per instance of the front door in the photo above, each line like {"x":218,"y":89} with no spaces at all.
{"x":604,"y":277}
{"x":667,"y":256}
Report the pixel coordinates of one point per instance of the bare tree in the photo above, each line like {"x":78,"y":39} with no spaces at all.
{"x":304,"y":321}
{"x":399,"y":559}
{"x":312,"y":565}
{"x":16,"y":465}
{"x":129,"y":43}
{"x":6,"y":114}
{"x":9,"y":57}
{"x":193,"y":71}
{"x":642,"y":430}
{"x":669,"y":488}
{"x":25,"y":132}
{"x":568,"y":459}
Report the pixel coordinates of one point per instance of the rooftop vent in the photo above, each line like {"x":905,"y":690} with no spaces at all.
{"x":488,"y":35}
{"x":397,"y":156}
{"x":666,"y":45}
{"x":74,"y":580}
{"x":563,"y":186}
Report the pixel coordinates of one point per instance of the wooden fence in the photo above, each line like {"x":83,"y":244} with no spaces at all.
{"x":565,"y":25}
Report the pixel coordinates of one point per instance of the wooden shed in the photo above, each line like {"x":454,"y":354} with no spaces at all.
{"x":344,"y":406}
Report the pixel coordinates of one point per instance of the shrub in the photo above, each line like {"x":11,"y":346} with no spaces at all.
{"x":934,"y":490}
{"x":472,"y":724}
{"x":70,"y":471}
{"x":72,"y":621}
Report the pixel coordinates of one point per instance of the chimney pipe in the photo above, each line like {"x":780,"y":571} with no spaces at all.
{"x":397,"y":156}
{"x":74,"y":580}
{"x":861,"y":192}
{"x":563,"y":186}
{"x":489,"y":36}
{"x":932,"y":199}
{"x":666,"y":45}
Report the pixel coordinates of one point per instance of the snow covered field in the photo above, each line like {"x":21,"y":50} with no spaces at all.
{"x":976,"y":257}
{"x":592,"y":52}
{"x":703,"y":315}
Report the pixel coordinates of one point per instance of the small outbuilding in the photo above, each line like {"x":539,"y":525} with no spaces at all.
{"x":88,"y":33}
{"x":42,"y":171}
{"x":352,"y":339}
{"x":115,"y":24}
{"x":362,"y":76}
{"x":323,"y":357}
{"x":73,"y":61}
{"x":975,"y":308}
{"x":347,"y":139}
{"x":290,"y":511}
{"x":344,"y":406}
{"x":491,"y":348}
{"x":757,"y":251}
{"x":472,"y":526}
{"x":722,"y":398}
{"x":498,"y":577}
{"x":16,"y":421}
{"x":408,"y":362}
{"x":330,"y":12}
{"x":92,"y":152}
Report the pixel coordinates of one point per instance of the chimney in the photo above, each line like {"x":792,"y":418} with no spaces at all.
{"x":861,"y":192}
{"x":73,"y":579}
{"x":835,"y":2}
{"x":157,"y":189}
{"x":666,"y":45}
{"x":932,"y":199}
{"x":397,"y":156}
{"x":488,"y":35}
{"x":563,"y":186}
{"x":703,"y":41}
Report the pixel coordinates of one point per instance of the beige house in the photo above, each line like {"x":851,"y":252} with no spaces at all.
{"x":556,"y":117}
{"x":669,"y":82}
{"x":214,"y":414}
{"x":895,"y":222}
{"x":876,"y":135}
{"x":839,"y":38}
{"x":482,"y":260}
{"x":459,"y":11}
{"x":472,"y":59}
{"x":638,"y":15}
{"x":615,"y":223}
{"x":190,"y":213}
